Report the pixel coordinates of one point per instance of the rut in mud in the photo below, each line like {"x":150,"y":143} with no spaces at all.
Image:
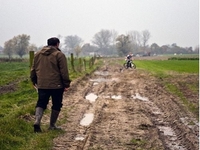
{"x":125,"y":110}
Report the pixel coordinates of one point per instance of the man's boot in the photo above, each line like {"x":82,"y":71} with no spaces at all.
{"x":38,"y":116}
{"x":53,"y":119}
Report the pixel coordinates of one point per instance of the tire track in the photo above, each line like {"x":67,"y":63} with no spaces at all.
{"x":132,"y":111}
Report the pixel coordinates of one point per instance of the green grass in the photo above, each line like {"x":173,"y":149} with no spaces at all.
{"x":138,"y":142}
{"x":26,"y":56}
{"x":13,"y":71}
{"x":166,"y":66}
{"x":17,"y":105}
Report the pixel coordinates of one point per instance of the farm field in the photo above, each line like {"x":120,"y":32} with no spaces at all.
{"x":155,"y":106}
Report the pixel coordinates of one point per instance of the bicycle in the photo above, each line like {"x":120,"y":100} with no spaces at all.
{"x":129,"y":64}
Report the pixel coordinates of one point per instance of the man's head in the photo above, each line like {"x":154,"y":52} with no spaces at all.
{"x":53,"y":41}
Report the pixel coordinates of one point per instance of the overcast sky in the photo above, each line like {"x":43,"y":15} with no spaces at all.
{"x":168,"y":21}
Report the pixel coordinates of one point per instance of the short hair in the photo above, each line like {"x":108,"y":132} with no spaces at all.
{"x":53,"y":41}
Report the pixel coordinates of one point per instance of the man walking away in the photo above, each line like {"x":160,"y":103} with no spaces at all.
{"x":49,"y":74}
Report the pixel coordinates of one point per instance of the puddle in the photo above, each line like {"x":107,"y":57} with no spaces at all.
{"x":105,"y":96}
{"x":137,"y":96}
{"x":187,"y":121}
{"x":115,"y":79}
{"x":116,"y":97}
{"x":95,"y":83}
{"x":100,"y":80}
{"x":103,"y":80}
{"x":156,"y":110}
{"x":167,"y":131}
{"x":171,"y":138}
{"x":191,"y":123}
{"x":87,"y":119}
{"x":79,"y":138}
{"x":102,"y":73}
{"x":172,"y":141}
{"x":91,"y":97}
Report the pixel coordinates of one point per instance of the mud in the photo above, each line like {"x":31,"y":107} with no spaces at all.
{"x":126,"y":110}
{"x":8,"y":88}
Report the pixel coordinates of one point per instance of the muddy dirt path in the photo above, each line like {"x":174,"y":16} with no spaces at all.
{"x":124,"y":110}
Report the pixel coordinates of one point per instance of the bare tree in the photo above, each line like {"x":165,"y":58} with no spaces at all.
{"x":123,"y":45}
{"x":60,"y":38}
{"x":71,"y":42}
{"x":114,"y":35}
{"x":9,"y":48}
{"x":21,"y":43}
{"x":135,"y":38}
{"x":18,"y":44}
{"x":102,"y":39}
{"x":77,"y":50}
{"x":145,"y":37}
{"x":32,"y":47}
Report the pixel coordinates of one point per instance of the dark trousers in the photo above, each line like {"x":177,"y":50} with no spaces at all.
{"x":55,"y":94}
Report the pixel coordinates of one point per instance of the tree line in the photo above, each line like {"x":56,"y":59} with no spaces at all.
{"x":17,"y":45}
{"x":108,"y":43}
{"x":104,"y":43}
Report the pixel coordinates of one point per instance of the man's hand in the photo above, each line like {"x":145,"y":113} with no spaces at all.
{"x":35,"y":86}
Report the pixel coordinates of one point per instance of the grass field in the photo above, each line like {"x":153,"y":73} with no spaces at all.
{"x":164,"y":67}
{"x":18,"y":98}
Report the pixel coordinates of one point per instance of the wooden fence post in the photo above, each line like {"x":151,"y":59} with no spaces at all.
{"x":91,"y":62}
{"x":80,"y":64}
{"x":84,"y":61}
{"x":31,"y":56}
{"x":72,"y":62}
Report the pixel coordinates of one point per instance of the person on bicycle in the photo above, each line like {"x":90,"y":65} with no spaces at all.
{"x":129,"y":59}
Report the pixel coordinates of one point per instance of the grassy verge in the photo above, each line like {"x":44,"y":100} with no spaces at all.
{"x":176,"y":91}
{"x":172,"y":73}
{"x":17,"y":104}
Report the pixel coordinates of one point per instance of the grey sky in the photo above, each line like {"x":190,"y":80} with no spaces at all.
{"x":168,"y":21}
